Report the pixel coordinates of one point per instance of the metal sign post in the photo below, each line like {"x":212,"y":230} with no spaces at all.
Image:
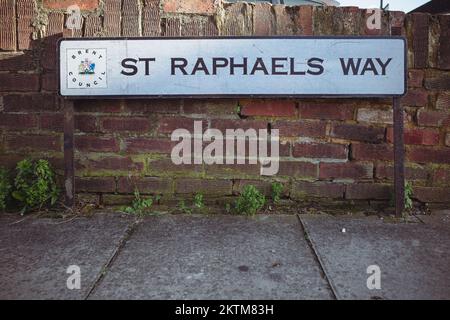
{"x":399,"y":158}
{"x":232,"y":67}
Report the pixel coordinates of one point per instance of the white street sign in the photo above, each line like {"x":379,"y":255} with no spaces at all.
{"x":240,"y":66}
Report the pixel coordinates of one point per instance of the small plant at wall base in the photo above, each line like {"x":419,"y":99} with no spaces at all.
{"x":35,"y":185}
{"x":5,"y":188}
{"x":198,"y":201}
{"x":184,"y":208}
{"x":140,"y":206}
{"x":277,"y":189}
{"x":250,"y":201}
{"x":408,"y":196}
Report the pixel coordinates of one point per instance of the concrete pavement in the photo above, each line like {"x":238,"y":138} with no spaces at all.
{"x":224,"y":257}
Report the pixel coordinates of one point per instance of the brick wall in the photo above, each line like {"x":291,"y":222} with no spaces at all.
{"x":332,"y":151}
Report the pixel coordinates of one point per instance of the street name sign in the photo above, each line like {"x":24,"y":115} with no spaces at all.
{"x":233,"y":66}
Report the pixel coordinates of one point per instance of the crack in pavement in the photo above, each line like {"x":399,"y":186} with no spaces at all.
{"x":104,"y":270}
{"x":318,"y":260}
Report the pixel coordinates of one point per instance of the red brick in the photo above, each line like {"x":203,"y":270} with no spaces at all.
{"x":111,"y":18}
{"x":206,"y":187}
{"x":430,"y":195}
{"x":224,"y":124}
{"x":169,"y":124}
{"x":415,"y":98}
{"x":19,"y":82}
{"x":55,"y":23}
{"x":386,"y":172}
{"x":298,"y":169}
{"x":49,"y":82}
{"x":365,"y":191}
{"x":320,"y":150}
{"x":326,"y":111}
{"x":362,"y":151}
{"x":100,"y":185}
{"x":347,"y":170}
{"x":441,"y":82}
{"x":263,"y":19}
{"x":96,"y":144}
{"x":18,"y":121}
{"x":351,"y":20}
{"x":63,"y":4}
{"x":126,"y":124}
{"x":144,"y":145}
{"x":25,"y":15}
{"x":85,"y":123}
{"x":444,"y":42}
{"x":428,"y":155}
{"x":304,"y":190}
{"x":420,"y":30}
{"x":17,"y":62}
{"x":146,"y":185}
{"x":443,"y":101}
{"x":431,"y":118}
{"x":427,"y":137}
{"x":233,"y":170}
{"x":53,"y":121}
{"x":166,"y":167}
{"x":34,"y":143}
{"x":375,"y":116}
{"x":285,"y":21}
{"x":130,"y":18}
{"x":189,"y":6}
{"x":441,"y":176}
{"x":99,"y":106}
{"x":264,"y":187}
{"x":151,"y":106}
{"x":285,"y":149}
{"x":269,"y":108}
{"x":92,"y":25}
{"x":209,"y":28}
{"x":8,"y":23}
{"x":397,"y":22}
{"x":199,"y":28}
{"x":415,"y":78}
{"x":236,"y":19}
{"x":192,"y":28}
{"x":9,"y":161}
{"x":48,"y":58}
{"x":210,"y":106}
{"x":109,"y":163}
{"x":172,"y":27}
{"x":358,"y":133}
{"x":151,"y":20}
{"x":305,"y":20}
{"x":300,"y":128}
{"x":35,"y":102}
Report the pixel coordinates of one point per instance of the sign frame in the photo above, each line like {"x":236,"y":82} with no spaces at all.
{"x":68,"y":103}
{"x":224,"y":96}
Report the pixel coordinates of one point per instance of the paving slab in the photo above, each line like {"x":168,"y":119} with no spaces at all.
{"x":413,"y":258}
{"x":438,"y":218}
{"x":35,"y":254}
{"x":215,"y":257}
